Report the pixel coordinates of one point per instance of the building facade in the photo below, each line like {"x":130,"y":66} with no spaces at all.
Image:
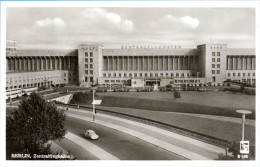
{"x":92,"y":64}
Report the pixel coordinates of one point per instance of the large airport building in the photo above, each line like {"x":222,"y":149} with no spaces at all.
{"x":92,"y":64}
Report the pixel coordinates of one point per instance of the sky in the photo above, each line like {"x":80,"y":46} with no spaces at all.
{"x":65,"y":28}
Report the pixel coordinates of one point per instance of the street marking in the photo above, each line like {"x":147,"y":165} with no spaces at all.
{"x":172,"y":148}
{"x":92,"y":148}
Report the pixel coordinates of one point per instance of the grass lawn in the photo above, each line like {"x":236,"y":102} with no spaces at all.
{"x":214,"y":103}
{"x":220,"y":129}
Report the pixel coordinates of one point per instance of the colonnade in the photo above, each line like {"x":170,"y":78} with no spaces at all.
{"x":163,"y":63}
{"x":240,"y":62}
{"x":28,"y":63}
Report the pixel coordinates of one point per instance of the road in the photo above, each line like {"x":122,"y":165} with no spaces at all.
{"x":121,"y":145}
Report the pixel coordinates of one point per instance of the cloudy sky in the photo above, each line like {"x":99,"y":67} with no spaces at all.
{"x":60,"y":28}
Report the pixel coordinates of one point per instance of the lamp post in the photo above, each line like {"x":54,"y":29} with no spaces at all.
{"x":243,"y":112}
{"x":93,"y":105}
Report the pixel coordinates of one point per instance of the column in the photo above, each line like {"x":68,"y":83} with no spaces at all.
{"x":179,"y":63}
{"x":253,"y":63}
{"x":188,"y":63}
{"x":20,"y":63}
{"x":173,"y":63}
{"x":143,"y":64}
{"x":239,"y":63}
{"x":69,"y":63}
{"x":60,"y":63}
{"x":123,"y":63}
{"x":248,"y":63}
{"x":118,"y":63}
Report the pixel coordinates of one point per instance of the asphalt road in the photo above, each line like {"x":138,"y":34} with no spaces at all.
{"x":121,"y":145}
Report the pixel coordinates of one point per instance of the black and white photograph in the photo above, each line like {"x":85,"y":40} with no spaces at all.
{"x":139,"y":83}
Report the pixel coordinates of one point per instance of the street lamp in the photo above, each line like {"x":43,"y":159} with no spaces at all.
{"x":93,"y":104}
{"x":243,"y":112}
{"x":10,"y":93}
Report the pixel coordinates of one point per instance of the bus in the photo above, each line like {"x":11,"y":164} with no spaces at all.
{"x":13,"y":93}
{"x":28,"y":91}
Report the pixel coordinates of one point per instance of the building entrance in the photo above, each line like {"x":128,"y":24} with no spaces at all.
{"x":152,"y":82}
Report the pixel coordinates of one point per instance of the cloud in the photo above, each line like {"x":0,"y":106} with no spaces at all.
{"x":110,"y":21}
{"x":56,"y":22}
{"x":190,"y":22}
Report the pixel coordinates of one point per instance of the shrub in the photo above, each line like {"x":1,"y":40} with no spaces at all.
{"x":81,"y":98}
{"x":176,"y":94}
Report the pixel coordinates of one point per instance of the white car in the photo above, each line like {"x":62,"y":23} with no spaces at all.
{"x":90,"y":134}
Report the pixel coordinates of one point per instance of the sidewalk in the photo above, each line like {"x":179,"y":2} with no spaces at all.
{"x":181,"y":145}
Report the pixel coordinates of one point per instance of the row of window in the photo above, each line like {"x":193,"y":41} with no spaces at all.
{"x":214,"y":53}
{"x":88,"y":60}
{"x":89,"y":72}
{"x":90,"y":54}
{"x":215,"y":71}
{"x":89,"y":66}
{"x":216,"y":47}
{"x":149,"y":75}
{"x":214,"y":60}
{"x":171,"y":82}
{"x":214,"y":65}
{"x":239,"y":74}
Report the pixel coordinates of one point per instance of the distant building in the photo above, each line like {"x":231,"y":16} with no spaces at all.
{"x":139,"y":65}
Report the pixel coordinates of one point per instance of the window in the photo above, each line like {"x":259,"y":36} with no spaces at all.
{"x":151,"y":74}
{"x":234,"y":74}
{"x":114,"y":74}
{"x":91,"y":72}
{"x":161,"y":74}
{"x":213,"y":65}
{"x":145,"y":74}
{"x":228,"y":74}
{"x":218,"y":65}
{"x":253,"y":74}
{"x":91,"y":54}
{"x":218,"y":71}
{"x":106,"y":81}
{"x":135,"y":74}
{"x":213,"y":71}
{"x":156,"y":74}
{"x":188,"y":74}
{"x":86,"y":72}
{"x":182,"y":74}
{"x":125,"y":74}
{"x":218,"y":54}
{"x":104,"y":74}
{"x":86,"y":79}
{"x":140,"y":75}
{"x":86,"y":54}
{"x":91,"y":60}
{"x":213,"y":59}
{"x":120,"y":75}
{"x":238,"y":74}
{"x":218,"y":60}
{"x":86,"y":65}
{"x":172,"y":74}
{"x":166,"y":74}
{"x":130,"y":75}
{"x":109,"y":74}
{"x":244,"y":74}
{"x":177,"y":74}
{"x":213,"y":53}
{"x":248,"y":74}
{"x":86,"y":60}
{"x":91,"y":66}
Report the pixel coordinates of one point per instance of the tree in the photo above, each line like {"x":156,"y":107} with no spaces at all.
{"x":32,"y":125}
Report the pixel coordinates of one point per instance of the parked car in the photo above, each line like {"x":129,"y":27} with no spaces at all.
{"x":90,"y":134}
